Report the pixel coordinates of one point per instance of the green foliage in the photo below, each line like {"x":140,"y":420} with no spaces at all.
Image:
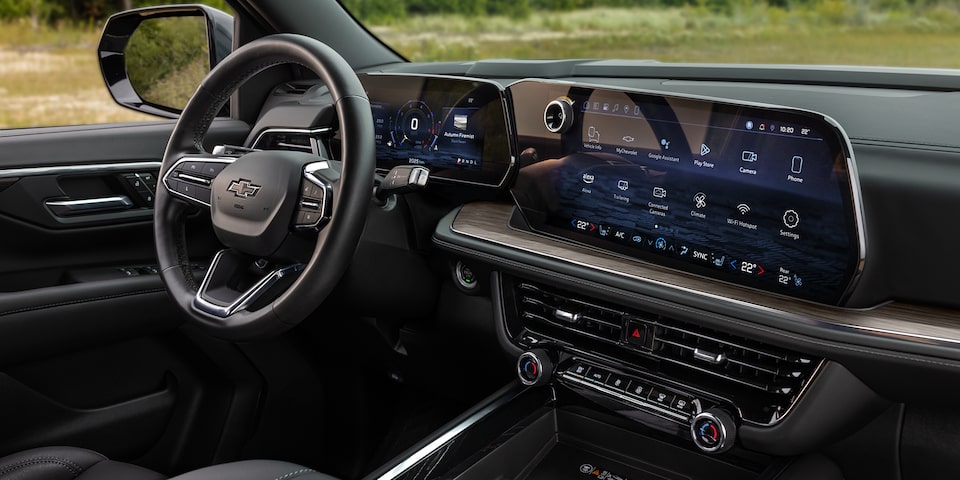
{"x":53,"y":11}
{"x":166,"y":59}
{"x":382,"y":12}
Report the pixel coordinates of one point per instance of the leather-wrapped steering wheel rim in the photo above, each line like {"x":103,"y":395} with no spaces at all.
{"x":335,"y":242}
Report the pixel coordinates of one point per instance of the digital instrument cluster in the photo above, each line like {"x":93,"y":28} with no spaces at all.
{"x":763,"y":197}
{"x":455,"y":127}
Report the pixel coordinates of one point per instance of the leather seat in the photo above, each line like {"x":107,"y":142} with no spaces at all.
{"x":66,"y":463}
{"x":70,"y":463}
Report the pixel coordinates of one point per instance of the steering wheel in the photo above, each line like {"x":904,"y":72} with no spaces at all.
{"x":290,"y":221}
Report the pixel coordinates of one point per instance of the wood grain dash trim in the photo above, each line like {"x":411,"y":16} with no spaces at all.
{"x":488,"y":221}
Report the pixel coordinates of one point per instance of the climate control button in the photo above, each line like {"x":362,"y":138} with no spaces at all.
{"x":534,"y":367}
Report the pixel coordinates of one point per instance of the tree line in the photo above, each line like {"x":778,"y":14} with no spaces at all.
{"x":52,"y":11}
{"x":385,"y":10}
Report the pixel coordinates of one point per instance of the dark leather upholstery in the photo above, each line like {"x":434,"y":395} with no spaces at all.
{"x":69,"y":463}
{"x":254,"y":470}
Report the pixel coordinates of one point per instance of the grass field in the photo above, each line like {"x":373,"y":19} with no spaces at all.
{"x":50,"y":76}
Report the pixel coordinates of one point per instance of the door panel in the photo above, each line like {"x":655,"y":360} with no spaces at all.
{"x":92,"y":351}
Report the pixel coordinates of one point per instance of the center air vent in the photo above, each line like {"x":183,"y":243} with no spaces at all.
{"x":748,"y":363}
{"x":761,"y":379}
{"x":293,"y":88}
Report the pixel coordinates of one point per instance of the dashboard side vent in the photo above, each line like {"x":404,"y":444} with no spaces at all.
{"x":283,"y":140}
{"x":293,"y":88}
{"x":764,"y":380}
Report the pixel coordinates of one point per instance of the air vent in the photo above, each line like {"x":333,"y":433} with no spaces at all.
{"x":587,"y":318}
{"x":286,"y":140}
{"x":764,"y":380}
{"x":293,"y":88}
{"x":752,"y":364}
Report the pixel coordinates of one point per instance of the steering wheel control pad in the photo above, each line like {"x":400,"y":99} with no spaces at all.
{"x":253,"y":200}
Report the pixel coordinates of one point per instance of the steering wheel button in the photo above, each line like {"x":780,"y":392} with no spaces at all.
{"x":315,"y":191}
{"x":194,"y":167}
{"x":172,"y":184}
{"x":213,"y":168}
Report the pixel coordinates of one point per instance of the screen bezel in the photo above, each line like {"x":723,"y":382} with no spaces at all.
{"x":833,"y":134}
{"x":497,"y":151}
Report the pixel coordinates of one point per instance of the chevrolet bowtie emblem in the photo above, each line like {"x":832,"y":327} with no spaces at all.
{"x":243,"y":188}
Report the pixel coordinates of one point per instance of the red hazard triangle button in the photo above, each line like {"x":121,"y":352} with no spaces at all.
{"x":636,"y":333}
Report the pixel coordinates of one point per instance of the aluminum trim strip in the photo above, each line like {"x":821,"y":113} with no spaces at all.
{"x":78,"y":169}
{"x":446,"y":437}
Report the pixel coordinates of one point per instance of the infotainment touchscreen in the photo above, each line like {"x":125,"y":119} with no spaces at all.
{"x":456,"y":127}
{"x":757,"y":196}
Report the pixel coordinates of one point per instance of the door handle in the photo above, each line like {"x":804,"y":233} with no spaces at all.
{"x":66,"y":208}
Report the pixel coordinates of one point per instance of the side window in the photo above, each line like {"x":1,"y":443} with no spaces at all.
{"x":50,"y":75}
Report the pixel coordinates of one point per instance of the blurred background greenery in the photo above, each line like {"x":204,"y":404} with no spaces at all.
{"x":49,"y":74}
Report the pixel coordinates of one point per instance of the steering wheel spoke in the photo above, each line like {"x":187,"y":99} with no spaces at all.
{"x":191,"y":177}
{"x":234,"y":283}
{"x":315,"y":202}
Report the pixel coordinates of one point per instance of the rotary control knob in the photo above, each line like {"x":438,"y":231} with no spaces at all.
{"x":558,"y":116}
{"x":713,"y":431}
{"x":534,"y":367}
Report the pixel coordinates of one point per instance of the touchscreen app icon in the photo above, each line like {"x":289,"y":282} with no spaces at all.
{"x":623,"y":185}
{"x":791,"y":218}
{"x":593,"y":134}
{"x":796,"y":165}
{"x":659,"y":192}
{"x":700,"y":200}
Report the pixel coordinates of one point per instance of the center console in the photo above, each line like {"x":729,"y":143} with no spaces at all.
{"x":612,"y":391}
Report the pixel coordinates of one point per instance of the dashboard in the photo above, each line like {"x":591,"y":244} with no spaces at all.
{"x":698,"y":239}
{"x":758,"y":196}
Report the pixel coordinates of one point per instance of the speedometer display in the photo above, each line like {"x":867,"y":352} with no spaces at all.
{"x":413,"y":126}
{"x":455,"y":127}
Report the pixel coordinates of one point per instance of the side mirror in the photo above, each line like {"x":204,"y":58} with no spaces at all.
{"x":152,"y":59}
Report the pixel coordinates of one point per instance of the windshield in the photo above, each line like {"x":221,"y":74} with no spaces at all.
{"x":908,"y":33}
